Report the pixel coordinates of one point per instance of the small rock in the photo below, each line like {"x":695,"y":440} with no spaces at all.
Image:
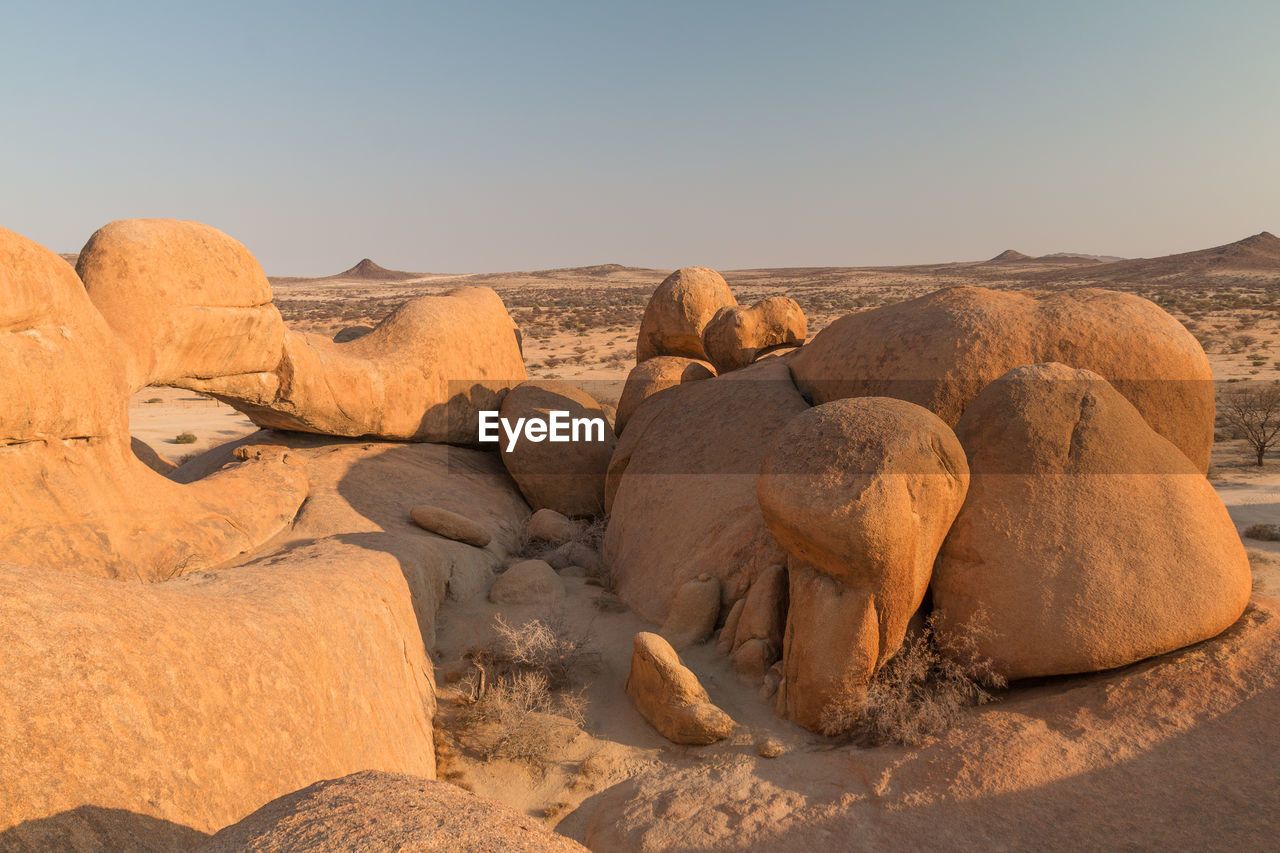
{"x":547,"y":525}
{"x":576,"y":554}
{"x":752,"y":659}
{"x":450,"y":525}
{"x":573,"y":572}
{"x":670,"y":697}
{"x":693,"y":613}
{"x":770,"y":686}
{"x":527,"y":582}
{"x":770,"y":748}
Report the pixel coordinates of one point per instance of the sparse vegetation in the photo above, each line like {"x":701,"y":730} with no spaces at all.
{"x":522,"y":689}
{"x":920,"y":691}
{"x":186,"y":438}
{"x":1253,"y":414}
{"x":1263,"y":532}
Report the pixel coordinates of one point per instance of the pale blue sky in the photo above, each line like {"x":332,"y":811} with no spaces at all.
{"x":476,"y":136}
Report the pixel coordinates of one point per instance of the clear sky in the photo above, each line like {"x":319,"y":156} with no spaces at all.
{"x":478,"y":136}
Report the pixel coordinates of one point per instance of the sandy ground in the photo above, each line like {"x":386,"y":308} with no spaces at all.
{"x":159,"y":415}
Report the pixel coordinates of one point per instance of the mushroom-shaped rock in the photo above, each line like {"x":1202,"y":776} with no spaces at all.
{"x":567,"y":474}
{"x":653,"y":375}
{"x":73,"y":495}
{"x":527,"y":582}
{"x":679,"y":310}
{"x":670,"y":697}
{"x":941,"y":350}
{"x":450,"y":525}
{"x":681,"y":489}
{"x":552,"y":528}
{"x":374,"y":810}
{"x":423,"y":374}
{"x":693,"y":613}
{"x":861,"y":494}
{"x":1087,"y":540}
{"x":187,"y":301}
{"x":736,"y":336}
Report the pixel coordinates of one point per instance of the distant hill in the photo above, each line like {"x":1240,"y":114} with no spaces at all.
{"x":1009,"y":256}
{"x":1257,"y":254}
{"x":1080,"y":257}
{"x":367,"y":270}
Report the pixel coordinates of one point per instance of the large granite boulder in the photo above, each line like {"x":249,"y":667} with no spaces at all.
{"x":941,"y":350}
{"x":1087,"y":540}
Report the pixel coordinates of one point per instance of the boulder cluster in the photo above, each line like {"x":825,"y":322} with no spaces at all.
{"x":1035,"y":461}
{"x":1031,"y":462}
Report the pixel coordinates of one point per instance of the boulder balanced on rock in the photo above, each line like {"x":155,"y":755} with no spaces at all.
{"x":861,"y":494}
{"x":679,"y":310}
{"x":1087,"y":540}
{"x":737,"y":336}
{"x":653,"y":375}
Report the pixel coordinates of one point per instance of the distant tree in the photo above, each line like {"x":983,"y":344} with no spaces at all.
{"x":1254,"y":414}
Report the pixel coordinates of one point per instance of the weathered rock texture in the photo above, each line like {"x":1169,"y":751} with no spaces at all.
{"x":187,"y":301}
{"x":860,"y":493}
{"x":941,"y":350}
{"x":193,"y":701}
{"x":681,"y":490}
{"x":736,"y":336}
{"x":693,"y":613}
{"x":73,"y":495}
{"x":423,"y":374}
{"x":679,"y":310}
{"x":1087,"y":540}
{"x":188,"y":703}
{"x":565,"y":476}
{"x":670,"y":697}
{"x":387,"y":811}
{"x":653,"y":375}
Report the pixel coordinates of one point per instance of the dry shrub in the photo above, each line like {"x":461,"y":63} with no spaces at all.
{"x":1264,"y":532}
{"x":919,"y":692}
{"x":521,"y":689}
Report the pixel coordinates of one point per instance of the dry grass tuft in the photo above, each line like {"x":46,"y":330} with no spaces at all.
{"x":919,"y":692}
{"x":521,"y":689}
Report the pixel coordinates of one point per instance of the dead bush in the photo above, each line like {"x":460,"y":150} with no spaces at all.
{"x":521,"y":689}
{"x":1264,"y":532}
{"x":919,"y":692}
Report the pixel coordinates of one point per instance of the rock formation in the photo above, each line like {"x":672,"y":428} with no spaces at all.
{"x":670,"y":697}
{"x":679,"y":310}
{"x":653,"y":375}
{"x":737,"y":336}
{"x":681,"y":490}
{"x":423,"y":374}
{"x":75,"y":496}
{"x":387,"y":811}
{"x":941,"y":350}
{"x":566,"y":476}
{"x":188,"y":302}
{"x":860,"y":493}
{"x":1087,"y":540}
